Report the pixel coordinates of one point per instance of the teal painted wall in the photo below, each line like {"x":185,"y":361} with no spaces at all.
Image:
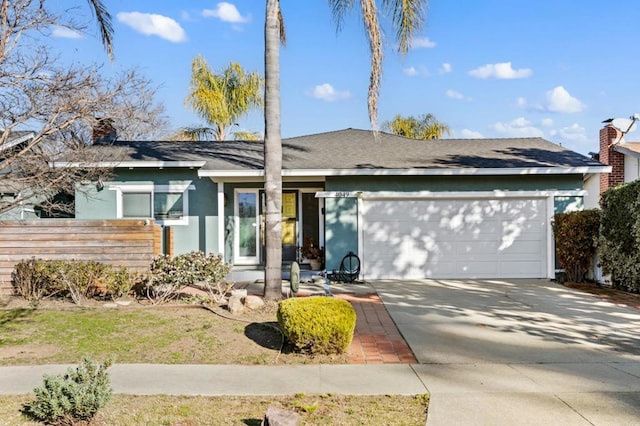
{"x":341,"y":230}
{"x":341,"y":233}
{"x":201,"y":233}
{"x":568,"y":204}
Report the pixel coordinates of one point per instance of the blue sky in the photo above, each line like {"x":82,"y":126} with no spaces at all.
{"x":488,"y":68}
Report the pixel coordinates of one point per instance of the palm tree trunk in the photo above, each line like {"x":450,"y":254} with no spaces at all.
{"x":272,"y":154}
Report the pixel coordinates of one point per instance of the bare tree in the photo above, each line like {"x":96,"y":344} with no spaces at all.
{"x":59,"y":106}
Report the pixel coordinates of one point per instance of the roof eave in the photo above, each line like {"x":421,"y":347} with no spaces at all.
{"x":129,"y":164}
{"x":626,"y":151}
{"x":412,"y":172}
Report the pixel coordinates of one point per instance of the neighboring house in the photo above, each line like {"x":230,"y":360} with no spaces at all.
{"x":450,"y":208}
{"x":9,"y":188}
{"x":622,"y":156}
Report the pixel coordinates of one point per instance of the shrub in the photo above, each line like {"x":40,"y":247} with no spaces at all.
{"x":34,"y":279}
{"x":576,"y":236}
{"x":317,"y":325}
{"x":620,"y":235}
{"x":169,"y":275}
{"x":30,"y":280}
{"x":73,"y":397}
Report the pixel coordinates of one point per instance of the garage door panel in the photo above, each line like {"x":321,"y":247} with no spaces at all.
{"x":523,"y":249}
{"x":521,"y":269}
{"x":454,"y":238}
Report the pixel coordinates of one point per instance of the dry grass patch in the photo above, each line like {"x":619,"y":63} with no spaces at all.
{"x":228,"y":410}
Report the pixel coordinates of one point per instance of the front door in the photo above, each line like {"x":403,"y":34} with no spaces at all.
{"x":301,"y":221}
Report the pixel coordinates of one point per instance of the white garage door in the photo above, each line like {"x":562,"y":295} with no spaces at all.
{"x":491,"y":238}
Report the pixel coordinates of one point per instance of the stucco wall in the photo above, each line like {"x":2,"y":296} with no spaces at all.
{"x":631,"y":168}
{"x":201,"y":232}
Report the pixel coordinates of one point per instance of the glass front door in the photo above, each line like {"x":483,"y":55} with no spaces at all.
{"x":248,"y":230}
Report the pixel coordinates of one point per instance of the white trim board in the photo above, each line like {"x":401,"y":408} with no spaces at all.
{"x":412,"y":172}
{"x":372,"y":195}
{"x":130,"y":164}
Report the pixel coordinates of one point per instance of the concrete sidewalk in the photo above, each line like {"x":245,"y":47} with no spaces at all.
{"x":215,"y":380}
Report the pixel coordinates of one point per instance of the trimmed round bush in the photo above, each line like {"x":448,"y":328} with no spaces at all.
{"x":317,"y":325}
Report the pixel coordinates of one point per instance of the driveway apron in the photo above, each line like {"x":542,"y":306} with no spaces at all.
{"x":519,"y":352}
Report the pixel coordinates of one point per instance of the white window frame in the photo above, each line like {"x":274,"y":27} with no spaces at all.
{"x":153,"y":189}
{"x":246,"y":260}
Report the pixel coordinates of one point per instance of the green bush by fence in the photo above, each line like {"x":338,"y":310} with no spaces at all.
{"x":620,"y":236}
{"x":35,"y":279}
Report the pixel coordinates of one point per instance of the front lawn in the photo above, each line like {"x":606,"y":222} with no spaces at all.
{"x":180,"y":334}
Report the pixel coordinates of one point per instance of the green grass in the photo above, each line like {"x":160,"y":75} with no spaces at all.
{"x":178,"y":410}
{"x":183,"y":334}
{"x":67,"y":335}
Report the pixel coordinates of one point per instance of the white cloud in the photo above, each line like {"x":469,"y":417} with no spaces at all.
{"x":502,"y":71}
{"x":64,"y":32}
{"x":445,"y":68}
{"x":226,"y":12}
{"x":521,"y":102}
{"x":559,"y":100}
{"x":413,"y":71}
{"x":456,"y":95}
{"x":326,"y":92}
{"x":419,"y":42}
{"x":153,"y":24}
{"x":575,"y":132}
{"x":547,"y":122}
{"x":470,"y":134}
{"x":519,"y":127}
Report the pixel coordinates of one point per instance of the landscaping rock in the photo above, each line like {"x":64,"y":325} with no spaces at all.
{"x":110,"y":305}
{"x":279,"y":417}
{"x":239,"y":292}
{"x":235,"y":305}
{"x":253,"y":302}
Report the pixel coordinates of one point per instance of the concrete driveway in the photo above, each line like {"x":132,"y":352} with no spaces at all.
{"x":519,"y":352}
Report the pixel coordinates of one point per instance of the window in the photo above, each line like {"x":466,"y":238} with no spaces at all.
{"x":167,"y":204}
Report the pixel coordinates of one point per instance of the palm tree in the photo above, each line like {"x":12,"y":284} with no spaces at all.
{"x":103,"y":17}
{"x":407,"y":19}
{"x":426,"y":126}
{"x":221,"y":99}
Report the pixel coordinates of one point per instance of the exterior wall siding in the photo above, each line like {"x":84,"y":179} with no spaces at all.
{"x":631,"y":168}
{"x":201,"y":232}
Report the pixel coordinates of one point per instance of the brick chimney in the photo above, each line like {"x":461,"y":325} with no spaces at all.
{"x":608,"y":135}
{"x":104,"y":132}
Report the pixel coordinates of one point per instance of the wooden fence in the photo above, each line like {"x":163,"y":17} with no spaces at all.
{"x":130,"y":243}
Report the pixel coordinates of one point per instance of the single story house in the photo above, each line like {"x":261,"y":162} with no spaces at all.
{"x":622,"y":156}
{"x":449,"y":208}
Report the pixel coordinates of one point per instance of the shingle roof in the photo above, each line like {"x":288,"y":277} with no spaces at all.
{"x":358,"y":149}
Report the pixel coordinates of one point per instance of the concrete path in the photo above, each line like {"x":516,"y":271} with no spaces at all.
{"x":214,"y":380}
{"x":519,"y":352}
